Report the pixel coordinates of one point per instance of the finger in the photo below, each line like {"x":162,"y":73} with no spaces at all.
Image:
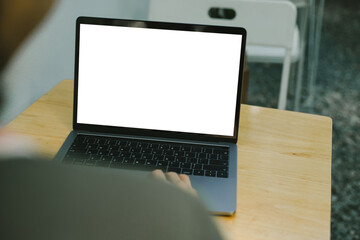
{"x":173,"y":177}
{"x":176,"y":180}
{"x":185,"y":179}
{"x":186,"y":184}
{"x":182,"y":181}
{"x":158,"y":174}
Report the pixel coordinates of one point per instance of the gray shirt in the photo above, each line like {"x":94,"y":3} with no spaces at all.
{"x":43,"y":200}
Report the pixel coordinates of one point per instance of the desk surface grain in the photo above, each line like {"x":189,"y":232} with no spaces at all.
{"x":284,"y":166}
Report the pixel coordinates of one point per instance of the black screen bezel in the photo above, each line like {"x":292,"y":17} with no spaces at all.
{"x":158,"y":25}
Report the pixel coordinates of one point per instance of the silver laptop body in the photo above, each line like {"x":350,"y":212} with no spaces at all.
{"x":164,"y":82}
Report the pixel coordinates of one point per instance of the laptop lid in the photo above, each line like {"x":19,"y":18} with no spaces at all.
{"x":158,"y":79}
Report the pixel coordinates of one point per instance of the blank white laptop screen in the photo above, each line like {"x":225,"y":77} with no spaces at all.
{"x":181,"y":81}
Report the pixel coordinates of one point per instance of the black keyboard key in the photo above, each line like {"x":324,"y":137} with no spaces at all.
{"x":139,"y":162}
{"x":118,"y":159}
{"x":175,"y":147}
{"x":222,"y":174}
{"x":157,"y":151}
{"x":103,"y":152}
{"x":102,"y":141}
{"x":135,"y":155}
{"x":132,"y":144}
{"x":171,"y":169}
{"x":77,"y":150}
{"x":224,"y":157}
{"x":197,"y":166}
{"x":92,"y":151}
{"x":164,"y":146}
{"x":180,"y":159}
{"x":208,"y":150}
{"x":192,"y":160}
{"x":187,"y":171}
{"x":202,"y":155}
{"x":203,"y":161}
{"x":114,"y":153}
{"x":126,"y":154}
{"x":146,"y":150}
{"x":190,"y":154}
{"x":158,"y":157}
{"x":142,"y":145}
{"x":197,"y":149}
{"x":163,"y":163}
{"x":106,"y":158}
{"x":92,"y":146}
{"x":128,"y":161}
{"x":185,"y":165}
{"x":210,"y":173}
{"x":147,"y":156}
{"x":103,"y":147}
{"x":215,"y":168}
{"x":135,"y":150}
{"x":219,"y":162}
{"x":168,"y":153}
{"x":222,"y":151}
{"x":199,"y":172}
{"x":124,"y":149}
{"x":185,"y":148}
{"x":153,"y":145}
{"x":72,"y":150}
{"x":113,"y":148}
{"x":94,"y":157}
{"x":79,"y":139}
{"x":179,"y":153}
{"x":169,"y":158}
{"x":112,"y":142}
{"x":213,"y":156}
{"x":91,"y":140}
{"x":174,"y":164}
{"x":151,"y":163}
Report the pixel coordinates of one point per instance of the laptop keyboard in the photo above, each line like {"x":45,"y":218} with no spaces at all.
{"x":113,"y":152}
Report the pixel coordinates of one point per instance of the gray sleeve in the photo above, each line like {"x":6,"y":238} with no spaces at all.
{"x":49,"y":201}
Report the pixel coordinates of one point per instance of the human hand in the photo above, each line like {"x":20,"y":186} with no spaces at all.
{"x":182,"y":181}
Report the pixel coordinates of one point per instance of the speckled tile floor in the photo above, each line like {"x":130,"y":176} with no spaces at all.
{"x":338,"y":96}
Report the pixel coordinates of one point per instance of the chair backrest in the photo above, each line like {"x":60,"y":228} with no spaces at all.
{"x":268,"y":22}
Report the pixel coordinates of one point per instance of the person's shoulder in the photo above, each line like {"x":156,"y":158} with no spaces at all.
{"x":102,"y":203}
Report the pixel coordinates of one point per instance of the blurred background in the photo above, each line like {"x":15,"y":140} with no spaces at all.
{"x":330,"y":83}
{"x":337,"y":96}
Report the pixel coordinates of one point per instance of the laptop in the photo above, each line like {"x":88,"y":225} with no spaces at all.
{"x":156,"y":95}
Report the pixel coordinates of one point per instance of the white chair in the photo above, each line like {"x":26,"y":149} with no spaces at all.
{"x":271,"y":26}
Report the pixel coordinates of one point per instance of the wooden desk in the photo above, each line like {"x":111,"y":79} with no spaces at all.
{"x":284,"y":167}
